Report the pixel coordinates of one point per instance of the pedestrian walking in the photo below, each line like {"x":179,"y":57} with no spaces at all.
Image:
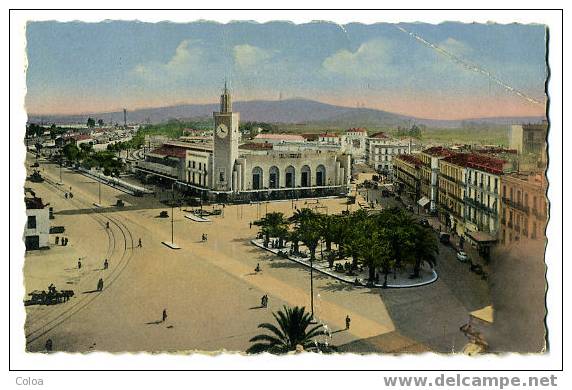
{"x":250,"y":225}
{"x":105,"y":264}
{"x":140,"y":245}
{"x":66,"y":195}
{"x":164,"y":315}
{"x":100,"y":284}
{"x":49,"y":345}
{"x":66,"y":242}
{"x":107,"y":225}
{"x":348,"y":320}
{"x":257,"y":269}
{"x":78,"y":263}
{"x":57,"y":240}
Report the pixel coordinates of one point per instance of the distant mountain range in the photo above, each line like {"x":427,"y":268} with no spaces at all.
{"x":291,"y":111}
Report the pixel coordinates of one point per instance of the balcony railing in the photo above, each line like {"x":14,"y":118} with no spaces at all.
{"x":474,"y":203}
{"x":517,"y":206}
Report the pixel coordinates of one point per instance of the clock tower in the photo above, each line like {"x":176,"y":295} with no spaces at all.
{"x":225,"y":143}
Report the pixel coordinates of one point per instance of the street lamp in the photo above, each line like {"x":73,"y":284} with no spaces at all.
{"x":312,"y":320}
{"x":172,"y":244}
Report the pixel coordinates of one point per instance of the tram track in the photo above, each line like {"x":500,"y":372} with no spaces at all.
{"x":85,"y":300}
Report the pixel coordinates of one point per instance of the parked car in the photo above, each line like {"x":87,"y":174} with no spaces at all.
{"x":444,"y":237}
{"x":424,"y":222}
{"x":462,"y":257}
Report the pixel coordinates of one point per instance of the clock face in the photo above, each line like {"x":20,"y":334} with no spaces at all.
{"x":221,"y":131}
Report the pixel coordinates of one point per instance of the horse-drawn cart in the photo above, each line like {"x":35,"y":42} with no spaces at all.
{"x":50,"y":297}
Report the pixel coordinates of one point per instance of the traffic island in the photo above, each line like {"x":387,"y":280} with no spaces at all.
{"x":428,"y":275}
{"x":170,"y":244}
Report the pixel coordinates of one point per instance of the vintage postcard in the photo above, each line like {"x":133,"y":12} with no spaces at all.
{"x":289,"y":188}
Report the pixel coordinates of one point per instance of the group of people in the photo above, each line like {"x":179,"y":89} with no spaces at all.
{"x":64,"y":241}
{"x":274,"y":243}
{"x":68,"y":195}
{"x":204,"y":237}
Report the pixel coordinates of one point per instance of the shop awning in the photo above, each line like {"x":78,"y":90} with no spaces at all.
{"x":481,"y":237}
{"x":423,"y":201}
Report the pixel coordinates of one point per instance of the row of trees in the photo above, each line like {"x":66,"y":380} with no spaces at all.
{"x":386,"y":241}
{"x":88,"y":158}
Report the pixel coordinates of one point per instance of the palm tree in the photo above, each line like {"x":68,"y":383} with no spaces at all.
{"x":273,"y":224}
{"x":301,"y":215}
{"x":327,"y":229}
{"x":340,"y":230}
{"x":291,"y":332}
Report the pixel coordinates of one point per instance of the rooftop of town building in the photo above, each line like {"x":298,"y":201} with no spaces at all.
{"x":34,"y":203}
{"x":409,"y":158}
{"x":477,"y":161}
{"x":380,"y":134}
{"x":438,"y":151}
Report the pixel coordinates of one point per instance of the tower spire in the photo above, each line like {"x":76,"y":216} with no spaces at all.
{"x":225,"y":100}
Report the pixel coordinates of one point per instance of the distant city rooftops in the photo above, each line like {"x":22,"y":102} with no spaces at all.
{"x":356,"y":130}
{"x":279,"y":137}
{"x":77,"y":137}
{"x":438,"y":151}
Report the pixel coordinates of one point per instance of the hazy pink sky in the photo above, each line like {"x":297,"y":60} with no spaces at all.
{"x":102,"y":67}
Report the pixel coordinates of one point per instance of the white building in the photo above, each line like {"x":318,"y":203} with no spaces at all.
{"x":381,"y":149}
{"x":37,"y":230}
{"x":272,"y":166}
{"x":355,"y":143}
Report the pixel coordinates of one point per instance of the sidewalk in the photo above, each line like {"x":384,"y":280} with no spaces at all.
{"x":428,"y":275}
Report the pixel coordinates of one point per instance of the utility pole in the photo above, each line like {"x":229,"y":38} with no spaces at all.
{"x":99,"y":187}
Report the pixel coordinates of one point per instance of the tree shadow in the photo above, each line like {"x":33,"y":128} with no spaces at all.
{"x":286,"y":264}
{"x":338,"y":286}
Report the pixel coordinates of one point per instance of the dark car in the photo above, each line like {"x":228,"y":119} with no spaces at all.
{"x":444,"y":238}
{"x":424,"y":222}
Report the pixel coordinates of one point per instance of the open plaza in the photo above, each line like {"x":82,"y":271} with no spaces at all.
{"x":210,"y":289}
